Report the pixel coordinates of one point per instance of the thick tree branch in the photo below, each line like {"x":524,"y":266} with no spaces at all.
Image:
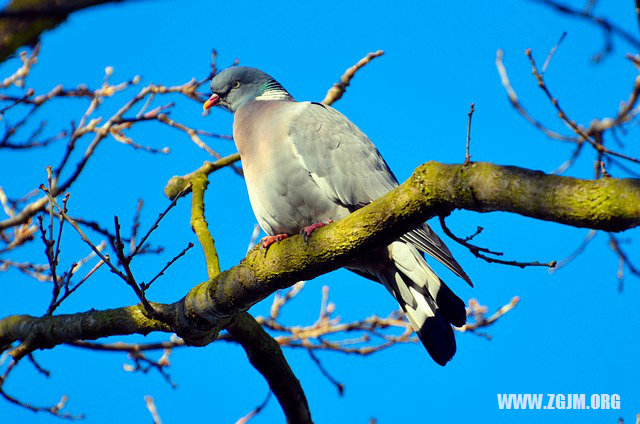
{"x":22,"y":21}
{"x":266,"y":356}
{"x":49,"y":331}
{"x":263,"y":351}
{"x":434,"y":189}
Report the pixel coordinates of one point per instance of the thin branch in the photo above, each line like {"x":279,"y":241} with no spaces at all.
{"x":83,"y":236}
{"x":18,"y":77}
{"x":255,"y":410}
{"x":569,"y":162}
{"x":135,"y":226}
{"x":467,"y":154}
{"x":68,"y":292}
{"x":38,"y":367}
{"x":312,"y":338}
{"x":129,"y":278}
{"x":339,"y":386}
{"x":575,"y":253}
{"x":254,"y":237}
{"x":151,"y":406}
{"x":551,"y":53}
{"x":144,"y":365}
{"x":55,"y":410}
{"x":193,"y":134}
{"x":128,"y":347}
{"x":115,"y":126}
{"x":609,"y":29}
{"x":152,"y":228}
{"x":517,"y":105}
{"x":32,"y":270}
{"x":623,"y":261}
{"x":145,"y":286}
{"x":574,"y":126}
{"x":335,"y":93}
{"x":179,"y":186}
{"x":477,"y":251}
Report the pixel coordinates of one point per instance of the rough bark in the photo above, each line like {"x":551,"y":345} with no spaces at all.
{"x":266,"y":356}
{"x":434,"y":189}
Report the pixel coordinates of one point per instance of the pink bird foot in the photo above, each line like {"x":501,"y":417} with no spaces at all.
{"x":269,"y":240}
{"x":308,"y":230}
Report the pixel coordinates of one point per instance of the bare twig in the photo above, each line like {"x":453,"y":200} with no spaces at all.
{"x":574,"y":126}
{"x":55,"y":410}
{"x":18,"y":77}
{"x":144,"y":365}
{"x":125,"y":261}
{"x":33,"y":270}
{"x":515,"y":102}
{"x":339,"y":386}
{"x":576,"y":253}
{"x":479,"y":312}
{"x":553,"y":50}
{"x":623,"y":261}
{"x":569,"y":162}
{"x":467,"y":154}
{"x":477,"y":251}
{"x":37,"y":366}
{"x":254,"y":237}
{"x":151,"y":406}
{"x":255,"y":410}
{"x":115,"y":126}
{"x":129,"y":347}
{"x":68,"y":292}
{"x":153,"y":227}
{"x":609,"y":29}
{"x":190,"y":132}
{"x":279,"y":301}
{"x":145,"y":286}
{"x":83,"y":236}
{"x":335,"y":93}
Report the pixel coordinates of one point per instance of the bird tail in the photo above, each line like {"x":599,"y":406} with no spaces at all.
{"x":430,"y":306}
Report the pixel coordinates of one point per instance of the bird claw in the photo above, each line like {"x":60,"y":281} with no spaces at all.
{"x":269,"y":240}
{"x":308,"y":230}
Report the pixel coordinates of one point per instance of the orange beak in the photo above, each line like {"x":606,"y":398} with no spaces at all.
{"x":213,"y":100}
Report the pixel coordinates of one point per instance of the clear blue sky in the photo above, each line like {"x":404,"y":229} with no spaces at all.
{"x":572,"y":332}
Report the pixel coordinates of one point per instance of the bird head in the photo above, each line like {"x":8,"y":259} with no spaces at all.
{"x":237,"y":85}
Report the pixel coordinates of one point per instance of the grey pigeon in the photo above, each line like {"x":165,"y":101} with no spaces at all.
{"x":306,"y":164}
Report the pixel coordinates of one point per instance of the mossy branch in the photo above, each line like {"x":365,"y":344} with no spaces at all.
{"x":199,"y":183}
{"x":266,"y":356}
{"x":262,"y":350}
{"x":49,"y":331}
{"x":434,"y":189}
{"x":178,"y":186}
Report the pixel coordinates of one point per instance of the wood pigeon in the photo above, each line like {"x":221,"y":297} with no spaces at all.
{"x":306,"y":164}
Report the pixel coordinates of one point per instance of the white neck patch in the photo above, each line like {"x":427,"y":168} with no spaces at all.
{"x":274,"y":95}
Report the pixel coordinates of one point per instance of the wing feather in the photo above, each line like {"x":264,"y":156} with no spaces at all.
{"x":347,"y":166}
{"x":340,"y":157}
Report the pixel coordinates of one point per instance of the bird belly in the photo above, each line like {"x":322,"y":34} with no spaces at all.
{"x":285,"y":198}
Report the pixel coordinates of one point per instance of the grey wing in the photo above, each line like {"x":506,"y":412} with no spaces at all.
{"x":340,"y":158}
{"x":346,"y":165}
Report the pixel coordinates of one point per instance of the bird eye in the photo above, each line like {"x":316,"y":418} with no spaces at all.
{"x":235,"y":84}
